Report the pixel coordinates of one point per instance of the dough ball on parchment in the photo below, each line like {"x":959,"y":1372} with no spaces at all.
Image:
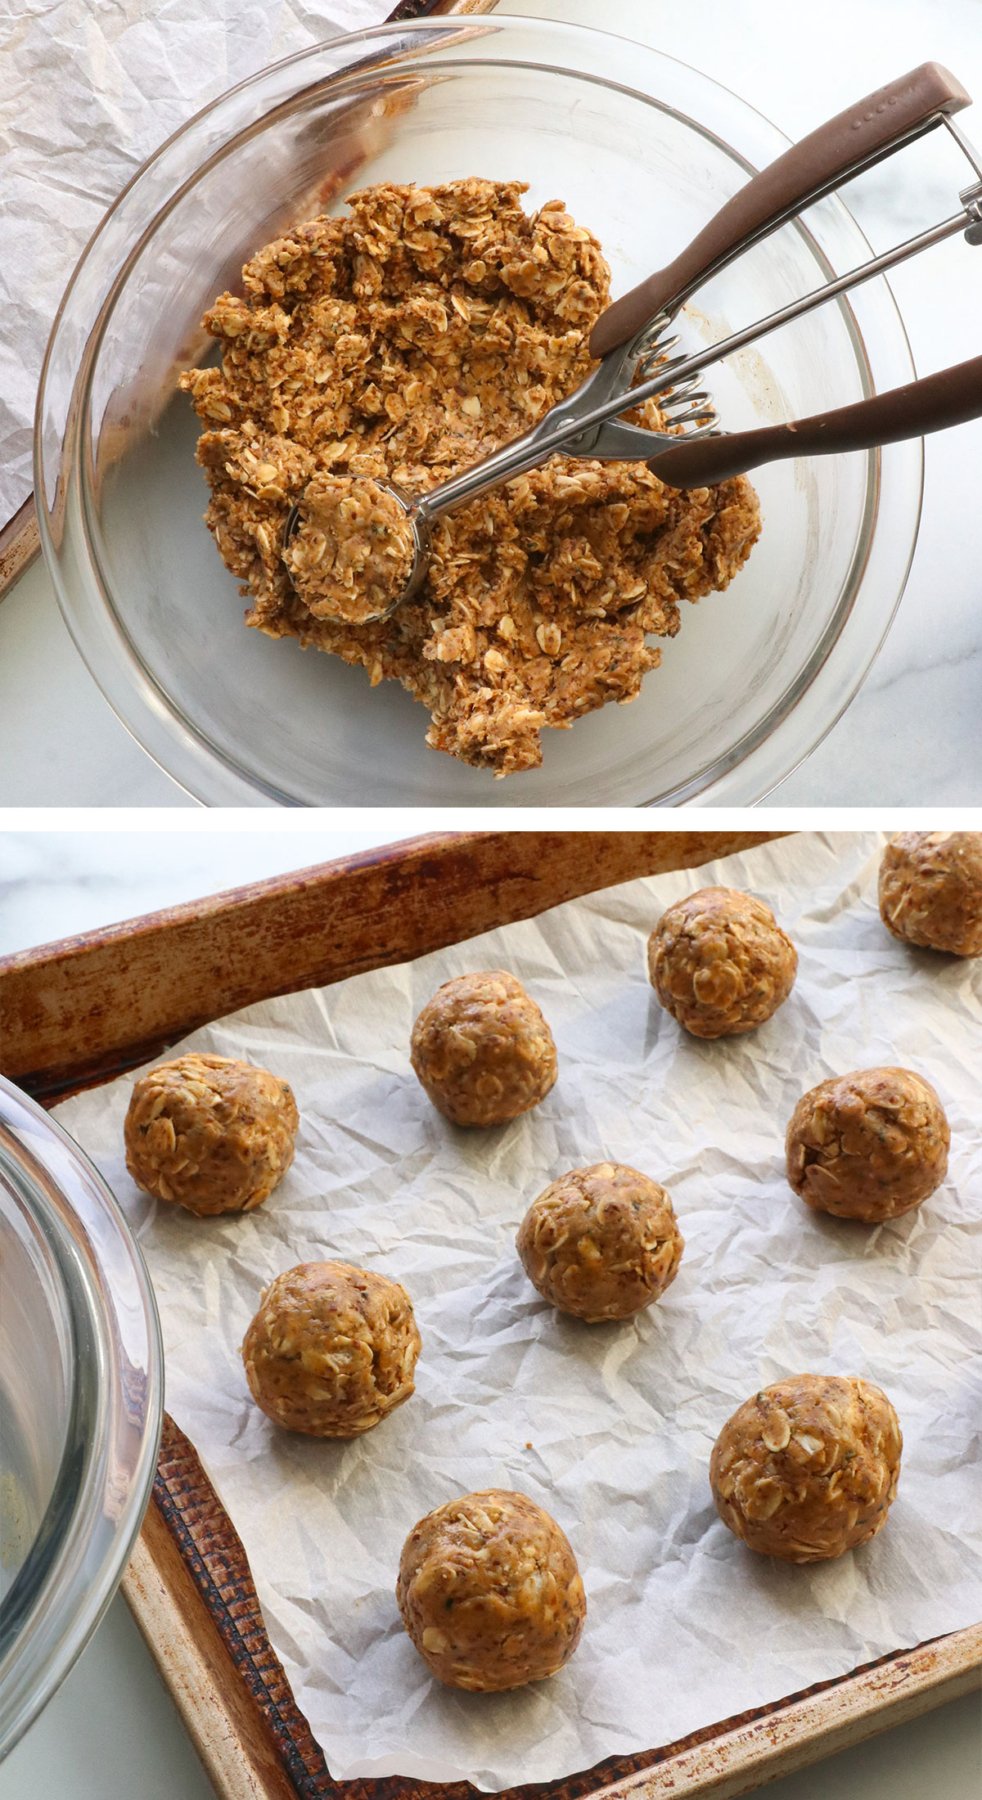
{"x":490,"y":1593}
{"x":931,"y":890}
{"x":808,"y":1468}
{"x":720,"y":963}
{"x":331,"y":1350}
{"x":210,"y":1134}
{"x":482,"y":1049}
{"x":601,"y":1242}
{"x":870,"y":1145}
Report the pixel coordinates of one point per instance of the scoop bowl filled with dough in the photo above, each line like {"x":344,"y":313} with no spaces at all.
{"x":642,"y":151}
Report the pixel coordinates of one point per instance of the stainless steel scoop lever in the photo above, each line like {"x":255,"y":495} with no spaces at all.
{"x":631,"y":336}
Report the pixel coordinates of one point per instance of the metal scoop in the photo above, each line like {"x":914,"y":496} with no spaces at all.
{"x":633,"y":341}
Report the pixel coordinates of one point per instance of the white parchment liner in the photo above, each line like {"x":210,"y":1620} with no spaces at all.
{"x":611,"y":1426}
{"x":90,"y":89}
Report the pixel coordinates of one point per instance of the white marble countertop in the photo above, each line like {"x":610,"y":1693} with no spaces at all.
{"x":61,"y":745}
{"x":112,"y":1733}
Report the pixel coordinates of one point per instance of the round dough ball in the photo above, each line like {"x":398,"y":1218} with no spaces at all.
{"x":351,"y":555}
{"x":869,"y":1146}
{"x":482,"y":1049}
{"x":210,"y":1134}
{"x":720,"y":963}
{"x":490,"y":1593}
{"x":808,"y":1468}
{"x":331,"y":1350}
{"x":931,"y":890}
{"x":601,"y":1242}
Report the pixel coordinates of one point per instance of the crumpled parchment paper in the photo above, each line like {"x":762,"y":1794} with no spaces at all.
{"x":610,"y":1427}
{"x":90,"y":88}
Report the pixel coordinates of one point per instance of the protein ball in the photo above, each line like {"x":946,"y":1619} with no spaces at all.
{"x":332,"y":1349}
{"x":931,"y":890}
{"x":352,"y":553}
{"x":808,"y":1468}
{"x":490,"y":1593}
{"x":601,"y":1242}
{"x":720,"y":963}
{"x":482,"y":1049}
{"x":210,"y":1134}
{"x":870,"y":1145}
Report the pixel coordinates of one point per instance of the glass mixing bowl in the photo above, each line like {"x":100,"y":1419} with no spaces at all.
{"x":643,"y":150}
{"x":81,"y":1400}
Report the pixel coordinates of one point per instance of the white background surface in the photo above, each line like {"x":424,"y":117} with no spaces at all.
{"x":112,"y":1733}
{"x":913,"y":733}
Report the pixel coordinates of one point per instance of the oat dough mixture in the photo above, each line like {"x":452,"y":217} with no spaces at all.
{"x":601,"y":1243}
{"x":808,"y":1469}
{"x":404,"y":342}
{"x":720,"y":963}
{"x":210,"y":1133}
{"x":870,"y":1145}
{"x":482,"y":1049}
{"x":332,"y":1349}
{"x":490,"y":1593}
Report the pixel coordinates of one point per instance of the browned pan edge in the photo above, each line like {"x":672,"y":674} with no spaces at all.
{"x":19,"y":545}
{"x":89,"y":1007}
{"x":212,"y":1552}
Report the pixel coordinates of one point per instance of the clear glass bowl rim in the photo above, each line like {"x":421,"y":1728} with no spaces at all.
{"x":80,"y":1550}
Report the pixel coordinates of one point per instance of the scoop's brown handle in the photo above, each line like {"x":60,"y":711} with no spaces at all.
{"x":951,"y":397}
{"x":846,"y":145}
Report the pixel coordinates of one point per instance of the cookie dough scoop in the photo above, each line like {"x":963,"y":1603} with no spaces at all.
{"x":633,"y":342}
{"x":350,"y":548}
